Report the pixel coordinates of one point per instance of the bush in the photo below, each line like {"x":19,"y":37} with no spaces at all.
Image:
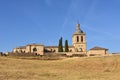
{"x":1,"y":53}
{"x":79,"y":55}
{"x":22,"y":54}
{"x":32,"y":56}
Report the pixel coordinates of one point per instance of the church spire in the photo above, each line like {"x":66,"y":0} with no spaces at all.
{"x":78,"y":28}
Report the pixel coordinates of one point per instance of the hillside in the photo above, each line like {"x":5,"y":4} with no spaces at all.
{"x":85,"y":68}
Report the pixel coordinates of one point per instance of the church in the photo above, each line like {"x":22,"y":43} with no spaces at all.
{"x":78,"y":46}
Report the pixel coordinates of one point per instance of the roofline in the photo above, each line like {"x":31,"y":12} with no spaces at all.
{"x":51,"y":46}
{"x":98,"y":48}
{"x":79,"y":33}
{"x":20,"y":47}
{"x":56,"y":46}
{"x":34,"y":44}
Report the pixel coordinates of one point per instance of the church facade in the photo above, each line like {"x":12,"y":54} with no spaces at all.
{"x":78,"y":46}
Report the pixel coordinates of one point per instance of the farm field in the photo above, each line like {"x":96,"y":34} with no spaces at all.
{"x":76,"y":68}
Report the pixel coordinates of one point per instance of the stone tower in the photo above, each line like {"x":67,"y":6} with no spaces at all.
{"x":79,"y":40}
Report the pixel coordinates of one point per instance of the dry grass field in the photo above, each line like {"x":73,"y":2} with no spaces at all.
{"x":81,"y":68}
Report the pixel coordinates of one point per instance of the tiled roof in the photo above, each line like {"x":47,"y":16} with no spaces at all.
{"x":51,"y":46}
{"x":56,"y":46}
{"x":21,"y":47}
{"x":34,"y":44}
{"x":98,"y":48}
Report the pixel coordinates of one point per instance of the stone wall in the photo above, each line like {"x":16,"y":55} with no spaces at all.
{"x":97,"y":52}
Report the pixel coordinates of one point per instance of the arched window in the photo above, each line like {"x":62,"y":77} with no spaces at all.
{"x":70,"y":50}
{"x":77,"y":38}
{"x":34,"y":49}
{"x":80,"y":50}
{"x":81,"y":38}
{"x":21,"y":51}
{"x":54,"y":50}
{"x":24,"y":51}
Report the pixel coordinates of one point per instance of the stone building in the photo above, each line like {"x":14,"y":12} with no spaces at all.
{"x":97,"y":51}
{"x":78,"y":45}
{"x":30,"y":48}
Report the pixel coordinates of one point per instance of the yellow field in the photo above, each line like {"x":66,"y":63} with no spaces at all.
{"x":81,"y":68}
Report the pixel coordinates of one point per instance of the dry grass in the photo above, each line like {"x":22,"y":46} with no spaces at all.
{"x":92,"y":68}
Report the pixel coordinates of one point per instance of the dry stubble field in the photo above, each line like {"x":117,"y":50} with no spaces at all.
{"x":81,"y":68}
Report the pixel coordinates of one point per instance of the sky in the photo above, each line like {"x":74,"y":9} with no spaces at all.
{"x":24,"y":22}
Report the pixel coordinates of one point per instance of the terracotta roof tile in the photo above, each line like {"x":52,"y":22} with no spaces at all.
{"x":98,"y":48}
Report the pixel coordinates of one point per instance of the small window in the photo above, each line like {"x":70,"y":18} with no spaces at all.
{"x":77,"y":38}
{"x":81,"y":38}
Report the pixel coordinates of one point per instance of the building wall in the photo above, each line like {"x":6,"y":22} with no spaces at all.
{"x":78,"y":43}
{"x":97,"y":52}
{"x":19,"y":50}
{"x":71,"y":49}
{"x":28,"y":49}
{"x":77,"y":38}
{"x":55,"y":49}
{"x":51,"y":49}
{"x":14,"y":50}
{"x":37,"y":49}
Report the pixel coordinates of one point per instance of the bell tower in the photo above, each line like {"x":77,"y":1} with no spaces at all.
{"x":79,"y":40}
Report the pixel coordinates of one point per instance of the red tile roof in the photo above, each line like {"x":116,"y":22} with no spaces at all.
{"x":98,"y":48}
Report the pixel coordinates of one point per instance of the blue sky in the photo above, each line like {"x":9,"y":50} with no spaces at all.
{"x":45,"y":21}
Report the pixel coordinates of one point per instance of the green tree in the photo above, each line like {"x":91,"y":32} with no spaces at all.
{"x":60,"y":46}
{"x":66,"y":46}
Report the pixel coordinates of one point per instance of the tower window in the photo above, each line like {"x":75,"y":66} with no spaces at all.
{"x":81,"y":38}
{"x":77,"y":38}
{"x":81,"y":50}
